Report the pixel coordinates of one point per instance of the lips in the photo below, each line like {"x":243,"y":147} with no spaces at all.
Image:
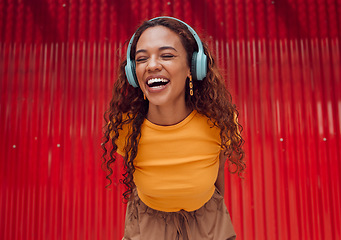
{"x":156,"y":83}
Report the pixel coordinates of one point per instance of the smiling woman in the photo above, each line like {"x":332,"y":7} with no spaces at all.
{"x":162,"y":70}
{"x":173,"y":121}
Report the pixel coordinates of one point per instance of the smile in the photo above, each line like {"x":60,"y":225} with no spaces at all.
{"x":157,"y":83}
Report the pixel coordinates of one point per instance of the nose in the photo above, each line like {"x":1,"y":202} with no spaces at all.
{"x":153,"y":65}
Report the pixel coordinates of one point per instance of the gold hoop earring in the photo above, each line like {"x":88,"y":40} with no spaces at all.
{"x":190,"y":85}
{"x":144,"y":96}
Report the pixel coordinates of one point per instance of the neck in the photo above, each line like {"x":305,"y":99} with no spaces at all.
{"x":167,"y":116}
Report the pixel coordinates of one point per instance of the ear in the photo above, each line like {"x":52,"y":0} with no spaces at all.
{"x":189,"y":73}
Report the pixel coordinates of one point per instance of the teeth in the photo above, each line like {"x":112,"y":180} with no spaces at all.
{"x":158,"y":87}
{"x":154,"y":80}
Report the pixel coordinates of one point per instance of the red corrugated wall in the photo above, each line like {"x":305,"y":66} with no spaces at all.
{"x":58,"y":61}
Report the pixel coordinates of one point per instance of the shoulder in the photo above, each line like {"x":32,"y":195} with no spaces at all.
{"x":121,"y":122}
{"x":205,"y":125}
{"x":205,"y":121}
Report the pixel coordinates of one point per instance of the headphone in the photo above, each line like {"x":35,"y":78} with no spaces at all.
{"x":198,"y":64}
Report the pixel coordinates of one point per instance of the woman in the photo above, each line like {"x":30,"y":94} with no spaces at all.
{"x":174,"y":123}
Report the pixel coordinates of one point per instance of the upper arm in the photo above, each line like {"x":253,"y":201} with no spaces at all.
{"x":220,"y":181}
{"x":222,"y":160}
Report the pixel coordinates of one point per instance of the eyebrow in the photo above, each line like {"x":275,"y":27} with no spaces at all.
{"x":161,"y":48}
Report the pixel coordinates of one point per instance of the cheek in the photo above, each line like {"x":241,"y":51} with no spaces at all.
{"x":178,"y":68}
{"x":139,"y":72}
{"x":183,"y":71}
{"x":139,"y":75}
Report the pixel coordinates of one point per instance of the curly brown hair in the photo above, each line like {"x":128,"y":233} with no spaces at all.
{"x":210,"y":98}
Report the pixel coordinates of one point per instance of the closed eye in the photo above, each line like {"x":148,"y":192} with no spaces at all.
{"x":141,"y":59}
{"x":167,"y":56}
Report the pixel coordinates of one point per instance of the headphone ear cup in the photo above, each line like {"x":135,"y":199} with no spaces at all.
{"x":194,"y":66}
{"x":131,"y":73}
{"x":133,"y":69}
{"x":201,"y":65}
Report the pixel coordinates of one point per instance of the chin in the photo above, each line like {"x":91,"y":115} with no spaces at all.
{"x":158,"y":102}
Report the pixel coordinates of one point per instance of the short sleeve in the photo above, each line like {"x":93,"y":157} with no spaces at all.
{"x":121,"y":141}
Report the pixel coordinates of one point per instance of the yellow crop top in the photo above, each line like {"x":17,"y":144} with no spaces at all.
{"x":176,"y":166}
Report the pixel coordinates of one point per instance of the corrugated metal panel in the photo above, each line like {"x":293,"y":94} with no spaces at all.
{"x":58,"y":62}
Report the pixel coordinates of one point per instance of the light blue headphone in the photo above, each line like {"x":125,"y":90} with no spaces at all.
{"x":198,"y":65}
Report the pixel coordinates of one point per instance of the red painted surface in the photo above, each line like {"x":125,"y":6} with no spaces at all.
{"x":58,"y":61}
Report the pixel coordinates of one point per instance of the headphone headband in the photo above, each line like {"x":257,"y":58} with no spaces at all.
{"x":199,"y":59}
{"x":195,"y":35}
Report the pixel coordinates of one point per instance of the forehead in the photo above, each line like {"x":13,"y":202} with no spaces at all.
{"x":159,"y":36}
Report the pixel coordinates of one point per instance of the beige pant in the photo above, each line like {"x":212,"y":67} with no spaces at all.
{"x":210,"y":222}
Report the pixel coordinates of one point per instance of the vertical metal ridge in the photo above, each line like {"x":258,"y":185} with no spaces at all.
{"x":58,"y":63}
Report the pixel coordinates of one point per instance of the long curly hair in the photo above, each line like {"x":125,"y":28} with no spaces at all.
{"x":210,"y":98}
